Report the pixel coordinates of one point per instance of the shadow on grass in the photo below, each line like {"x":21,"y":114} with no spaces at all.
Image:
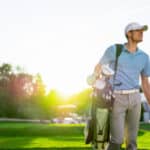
{"x":138,"y":149}
{"x":63,"y":148}
{"x":40,"y":130}
{"x":52,"y":148}
{"x":145,"y":126}
{"x":141,"y":133}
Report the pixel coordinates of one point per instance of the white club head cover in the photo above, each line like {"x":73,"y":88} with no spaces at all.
{"x":106,"y":70}
{"x":100,"y":84}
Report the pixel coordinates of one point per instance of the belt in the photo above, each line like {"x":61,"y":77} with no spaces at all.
{"x":126,"y":91}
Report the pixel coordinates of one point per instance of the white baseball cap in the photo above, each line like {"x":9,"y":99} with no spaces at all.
{"x":135,"y":26}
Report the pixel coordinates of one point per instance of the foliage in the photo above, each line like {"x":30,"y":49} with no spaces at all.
{"x":54,"y":99}
{"x":81,"y":100}
{"x":24,"y":95}
{"x":18,"y":89}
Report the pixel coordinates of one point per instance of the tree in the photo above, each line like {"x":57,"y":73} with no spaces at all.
{"x":54,"y":99}
{"x":5,"y":69}
{"x":81,"y":100}
{"x":19,"y":89}
{"x":5,"y":72}
{"x":38,"y":85}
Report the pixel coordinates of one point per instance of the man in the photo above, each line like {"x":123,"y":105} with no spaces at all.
{"x":132,"y":63}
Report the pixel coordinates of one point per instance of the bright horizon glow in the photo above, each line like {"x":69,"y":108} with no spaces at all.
{"x":63,"y":40}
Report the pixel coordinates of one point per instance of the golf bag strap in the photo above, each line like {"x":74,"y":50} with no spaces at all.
{"x":119,"y":48}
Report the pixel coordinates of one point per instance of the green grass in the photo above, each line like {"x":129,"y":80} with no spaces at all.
{"x":34,"y":136}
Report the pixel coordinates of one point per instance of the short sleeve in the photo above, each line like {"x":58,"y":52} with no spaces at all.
{"x":146,"y":69}
{"x":108,"y":56}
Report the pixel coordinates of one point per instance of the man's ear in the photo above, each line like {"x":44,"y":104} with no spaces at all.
{"x":128,"y":34}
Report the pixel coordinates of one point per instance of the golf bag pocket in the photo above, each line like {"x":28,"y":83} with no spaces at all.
{"x":102,"y":126}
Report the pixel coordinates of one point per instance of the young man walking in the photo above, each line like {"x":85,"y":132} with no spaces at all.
{"x":132,"y":63}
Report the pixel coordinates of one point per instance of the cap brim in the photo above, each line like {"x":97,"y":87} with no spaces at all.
{"x":144,"y":28}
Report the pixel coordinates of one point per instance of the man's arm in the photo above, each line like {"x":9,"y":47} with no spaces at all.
{"x":146,"y":87}
{"x":97,"y":70}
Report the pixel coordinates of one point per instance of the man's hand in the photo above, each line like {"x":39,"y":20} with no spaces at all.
{"x":91,"y":79}
{"x":146,"y":87}
{"x":97,"y":70}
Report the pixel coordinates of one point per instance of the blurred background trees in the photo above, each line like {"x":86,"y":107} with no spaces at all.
{"x":23,"y":95}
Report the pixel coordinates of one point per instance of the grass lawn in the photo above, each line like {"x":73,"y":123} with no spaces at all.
{"x":34,"y":136}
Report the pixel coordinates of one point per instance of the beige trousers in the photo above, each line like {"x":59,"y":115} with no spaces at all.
{"x":125,"y":116}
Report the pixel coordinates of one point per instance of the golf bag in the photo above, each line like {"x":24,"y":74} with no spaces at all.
{"x":97,"y":127}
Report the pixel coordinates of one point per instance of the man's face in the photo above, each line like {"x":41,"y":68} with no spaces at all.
{"x":136,"y":35}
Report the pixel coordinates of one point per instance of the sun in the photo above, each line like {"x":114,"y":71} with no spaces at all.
{"x":65,"y":86}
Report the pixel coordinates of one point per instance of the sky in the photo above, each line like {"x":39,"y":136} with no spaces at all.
{"x":64,"y":39}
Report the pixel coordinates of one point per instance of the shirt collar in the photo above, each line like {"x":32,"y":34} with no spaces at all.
{"x":126,"y":50}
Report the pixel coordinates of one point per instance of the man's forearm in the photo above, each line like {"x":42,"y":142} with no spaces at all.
{"x":146,"y":87}
{"x":146,"y":91}
{"x":147,"y":94}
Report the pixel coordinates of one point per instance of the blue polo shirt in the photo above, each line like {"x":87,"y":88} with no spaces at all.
{"x":130,"y":67}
